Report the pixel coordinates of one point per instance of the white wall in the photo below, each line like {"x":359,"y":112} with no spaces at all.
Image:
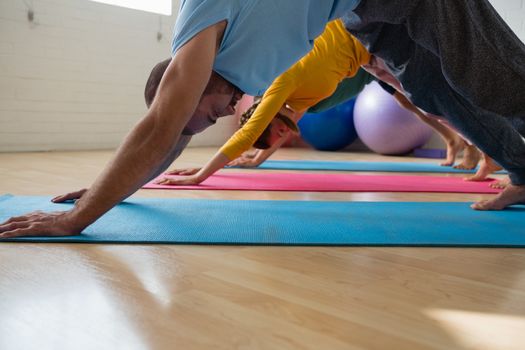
{"x":74,"y":78}
{"x":513,"y":12}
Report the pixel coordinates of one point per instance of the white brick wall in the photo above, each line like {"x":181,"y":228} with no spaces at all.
{"x":513,"y":12}
{"x":74,"y":79}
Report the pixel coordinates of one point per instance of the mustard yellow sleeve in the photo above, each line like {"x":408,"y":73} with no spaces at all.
{"x":356,"y":53}
{"x":362,"y":54}
{"x":272,"y":101}
{"x":358,"y":57}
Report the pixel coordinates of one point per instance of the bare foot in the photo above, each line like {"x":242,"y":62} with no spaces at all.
{"x":454,"y":146}
{"x":512,"y":194}
{"x":487,"y":167}
{"x":471,"y":157}
{"x":501,"y":184}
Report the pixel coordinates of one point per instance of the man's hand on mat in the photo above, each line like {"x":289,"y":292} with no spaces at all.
{"x":71,"y":196}
{"x":39,"y":224}
{"x":187,"y":171}
{"x":181,"y":181}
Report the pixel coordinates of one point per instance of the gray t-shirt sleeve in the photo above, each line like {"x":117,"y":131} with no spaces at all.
{"x":181,"y":145}
{"x":174,"y":154}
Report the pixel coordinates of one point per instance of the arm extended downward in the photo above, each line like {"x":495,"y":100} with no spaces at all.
{"x":145,"y":149}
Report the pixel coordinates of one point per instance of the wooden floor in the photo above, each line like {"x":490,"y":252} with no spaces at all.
{"x":72,"y":296}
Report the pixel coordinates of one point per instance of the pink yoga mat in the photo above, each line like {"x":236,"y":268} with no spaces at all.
{"x":333,"y":183}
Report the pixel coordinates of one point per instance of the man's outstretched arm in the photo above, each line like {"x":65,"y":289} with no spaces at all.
{"x":143,"y":151}
{"x":181,"y":145}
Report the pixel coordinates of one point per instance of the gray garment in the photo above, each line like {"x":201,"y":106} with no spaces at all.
{"x":476,"y":49}
{"x":423,"y":52}
{"x":172,"y":156}
{"x":179,"y":147}
{"x":198,"y":124}
{"x":498,"y":136}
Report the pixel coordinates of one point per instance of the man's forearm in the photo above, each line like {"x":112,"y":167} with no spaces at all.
{"x":141,"y":155}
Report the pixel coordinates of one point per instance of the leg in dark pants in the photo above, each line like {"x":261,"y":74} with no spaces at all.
{"x":476,"y":49}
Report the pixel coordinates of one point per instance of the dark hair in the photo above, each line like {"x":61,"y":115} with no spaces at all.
{"x":216,"y":83}
{"x":263,"y":141}
{"x":154,"y":80}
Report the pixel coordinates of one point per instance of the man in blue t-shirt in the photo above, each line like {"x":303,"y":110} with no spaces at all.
{"x":219,"y":46}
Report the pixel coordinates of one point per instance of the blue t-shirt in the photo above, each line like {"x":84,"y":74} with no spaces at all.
{"x":263,"y":38}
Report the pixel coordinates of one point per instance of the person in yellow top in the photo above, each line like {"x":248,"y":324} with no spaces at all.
{"x":336,"y":55}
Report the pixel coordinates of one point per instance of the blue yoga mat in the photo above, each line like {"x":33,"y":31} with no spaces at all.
{"x":289,"y":223}
{"x":361,"y":166}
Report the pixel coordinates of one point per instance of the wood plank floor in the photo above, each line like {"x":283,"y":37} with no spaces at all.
{"x":71,"y":296}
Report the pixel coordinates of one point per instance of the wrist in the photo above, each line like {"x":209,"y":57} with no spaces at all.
{"x":200,"y":177}
{"x":72,"y":223}
{"x":79,"y":217}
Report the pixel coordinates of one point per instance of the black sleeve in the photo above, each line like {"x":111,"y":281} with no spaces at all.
{"x":387,"y":87}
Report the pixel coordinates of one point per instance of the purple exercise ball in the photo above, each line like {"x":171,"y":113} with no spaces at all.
{"x":384,"y":126}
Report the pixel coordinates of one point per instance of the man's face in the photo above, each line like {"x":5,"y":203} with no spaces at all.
{"x":219,"y":102}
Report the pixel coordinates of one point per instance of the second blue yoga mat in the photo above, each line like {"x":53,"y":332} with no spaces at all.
{"x":289,"y":223}
{"x":406,"y":167}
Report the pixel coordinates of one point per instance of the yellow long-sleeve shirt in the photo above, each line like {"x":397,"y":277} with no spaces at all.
{"x":335,"y":55}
